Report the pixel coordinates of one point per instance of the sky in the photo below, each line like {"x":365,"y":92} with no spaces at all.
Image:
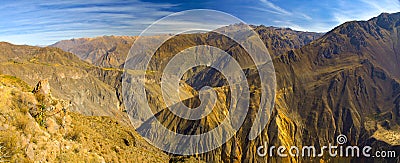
{"x":46,"y":22}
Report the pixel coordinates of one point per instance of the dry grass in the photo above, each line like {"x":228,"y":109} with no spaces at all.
{"x":21,"y":122}
{"x":69,"y":137}
{"x":9,"y":141}
{"x":75,"y":134}
{"x":12,"y":81}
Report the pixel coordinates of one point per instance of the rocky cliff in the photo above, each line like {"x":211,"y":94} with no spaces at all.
{"x":70,"y":77}
{"x":344,"y":82}
{"x":111,"y":51}
{"x":37,"y":127}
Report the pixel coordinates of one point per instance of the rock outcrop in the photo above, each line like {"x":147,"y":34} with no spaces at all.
{"x":69,"y":77}
{"x":36,"y":127}
{"x":344,"y":82}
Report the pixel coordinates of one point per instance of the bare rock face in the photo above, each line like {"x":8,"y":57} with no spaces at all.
{"x":111,"y":51}
{"x":49,"y":109}
{"x":69,"y":78}
{"x":42,"y":88}
{"x":42,"y":92}
{"x":37,"y":130}
{"x":106,"y":51}
{"x":345,"y":82}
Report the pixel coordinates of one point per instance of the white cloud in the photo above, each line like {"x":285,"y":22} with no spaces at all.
{"x":46,"y":22}
{"x":338,"y":12}
{"x":384,"y":5}
{"x":305,"y":16}
{"x":29,"y":22}
{"x":275,"y":7}
{"x":364,"y":9}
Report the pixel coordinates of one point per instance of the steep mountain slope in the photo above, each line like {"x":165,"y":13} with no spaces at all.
{"x":70,"y":77}
{"x":376,"y":39}
{"x":346,"y":82}
{"x":238,"y":148}
{"x":106,"y":51}
{"x":111,"y":51}
{"x":36,"y":127}
{"x":281,"y":40}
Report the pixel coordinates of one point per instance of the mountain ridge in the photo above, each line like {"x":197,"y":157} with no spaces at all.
{"x":344,"y":82}
{"x":111,"y":51}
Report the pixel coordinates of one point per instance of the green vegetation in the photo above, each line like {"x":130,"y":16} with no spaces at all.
{"x":9,"y":80}
{"x":29,"y":133}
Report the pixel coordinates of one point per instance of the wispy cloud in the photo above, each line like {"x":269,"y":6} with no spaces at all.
{"x":384,"y":5}
{"x":276,"y":8}
{"x":322,"y":15}
{"x":46,"y":22}
{"x":363,"y":9}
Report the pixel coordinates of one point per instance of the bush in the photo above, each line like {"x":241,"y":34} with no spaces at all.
{"x":41,"y":119}
{"x":40,"y":116}
{"x":74,"y":134}
{"x":22,"y":102}
{"x":59,"y":120}
{"x":9,"y":144}
{"x":21,"y":122}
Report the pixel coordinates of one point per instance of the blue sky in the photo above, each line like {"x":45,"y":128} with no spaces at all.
{"x":45,"y":22}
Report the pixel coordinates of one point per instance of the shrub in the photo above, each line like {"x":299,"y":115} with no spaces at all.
{"x":9,"y":144}
{"x":40,"y":117}
{"x":21,"y":122}
{"x":75,"y":133}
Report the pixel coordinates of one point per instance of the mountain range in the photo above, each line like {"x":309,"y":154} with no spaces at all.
{"x":345,"y":81}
